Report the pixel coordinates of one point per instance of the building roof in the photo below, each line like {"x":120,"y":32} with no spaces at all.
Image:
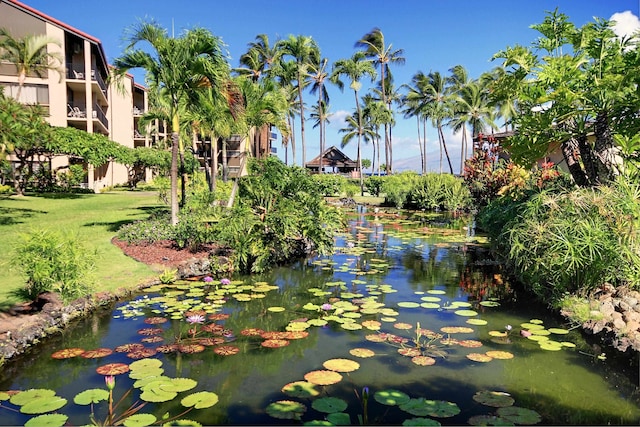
{"x":332,"y":156}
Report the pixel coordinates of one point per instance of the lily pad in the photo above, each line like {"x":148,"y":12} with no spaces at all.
{"x":200,"y":400}
{"x":24,"y":397}
{"x":466,"y":313}
{"x":435,"y":408}
{"x":550,"y":345}
{"x":323,"y":377}
{"x":93,"y":395}
{"x":276,"y":309}
{"x":43,"y":405}
{"x":339,"y":419}
{"x":489,"y":420}
{"x":479,"y":357}
{"x":329,"y":405}
{"x":286,"y":410}
{"x":420,"y":421}
{"x":300,"y":389}
{"x":423,"y":360}
{"x":113,"y":369}
{"x":470,"y":343}
{"x":496,"y":399}
{"x":408,"y":304}
{"x":391,"y":397}
{"x":67,"y":353}
{"x":97,"y":353}
{"x":362,"y":352}
{"x":341,"y":365}
{"x":496,"y":354}
{"x":403,"y":326}
{"x":477,"y":322}
{"x":558,"y":331}
{"x":140,"y":420}
{"x":47,"y":420}
{"x":519,"y":415}
{"x":275,"y":343}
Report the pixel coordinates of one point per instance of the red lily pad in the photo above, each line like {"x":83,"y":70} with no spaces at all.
{"x":250,"y":332}
{"x":456,"y":330}
{"x":375,"y":338}
{"x":191,"y":348}
{"x":113,"y":369}
{"x":409,"y":352}
{"x":479,"y":357}
{"x":402,"y":325}
{"x":496,"y":354}
{"x":213,"y":328}
{"x":152,"y":340}
{"x":97,"y":353}
{"x":155,"y":320}
{"x":449,"y":341}
{"x":274,"y":343}
{"x":142,"y":353}
{"x":167,"y":348}
{"x":189,"y":313}
{"x":128,"y":348}
{"x":296,"y":335}
{"x":218,"y":316}
{"x":323,"y":377}
{"x":67,"y":353}
{"x":226,"y":350}
{"x":273,"y":335}
{"x":470,"y":343}
{"x":150,"y":331}
{"x":211,"y":341}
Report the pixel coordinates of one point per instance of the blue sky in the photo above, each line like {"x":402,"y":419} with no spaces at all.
{"x":434,"y":34}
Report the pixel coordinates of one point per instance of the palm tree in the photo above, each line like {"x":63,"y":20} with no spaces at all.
{"x":304,"y":51}
{"x":355,"y":68}
{"x":356,"y":128}
{"x":259,"y":59}
{"x":29,"y":55}
{"x":383,"y":55}
{"x":376,"y":114}
{"x":182,"y":67}
{"x":318,"y":74}
{"x":320,"y":115}
{"x":284,"y":72}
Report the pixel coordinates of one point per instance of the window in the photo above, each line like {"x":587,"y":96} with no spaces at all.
{"x":30,"y":94}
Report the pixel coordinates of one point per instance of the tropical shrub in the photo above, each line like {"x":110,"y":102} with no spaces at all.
{"x":147,"y":231}
{"x":396,"y":188}
{"x":329,"y":184}
{"x":373,"y":185}
{"x":438,"y":191}
{"x":53,"y":262}
{"x":570,"y":241}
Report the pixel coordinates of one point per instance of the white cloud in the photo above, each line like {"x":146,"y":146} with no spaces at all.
{"x":626,"y":23}
{"x":337,"y":120}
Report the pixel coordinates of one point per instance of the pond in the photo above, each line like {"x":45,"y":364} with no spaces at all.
{"x":409,"y":321}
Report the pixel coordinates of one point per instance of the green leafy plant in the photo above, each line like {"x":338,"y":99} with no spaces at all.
{"x":168,"y":276}
{"x":53,"y":262}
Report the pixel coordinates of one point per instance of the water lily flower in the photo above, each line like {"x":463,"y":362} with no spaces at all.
{"x":110,"y":381}
{"x":225,"y":281}
{"x":208,"y":279}
{"x":525,"y":333}
{"x":326,"y":306}
{"x":195,"y":318}
{"x":508,"y":327}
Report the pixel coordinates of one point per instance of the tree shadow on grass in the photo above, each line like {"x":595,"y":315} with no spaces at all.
{"x":114,"y":226}
{"x":56,"y":196}
{"x":13,"y":216}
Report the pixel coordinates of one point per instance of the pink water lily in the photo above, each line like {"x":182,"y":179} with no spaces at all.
{"x":196,"y":318}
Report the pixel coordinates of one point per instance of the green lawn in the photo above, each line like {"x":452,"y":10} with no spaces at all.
{"x":94,"y":217}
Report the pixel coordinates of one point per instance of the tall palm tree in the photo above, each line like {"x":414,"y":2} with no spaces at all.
{"x":376,"y":114}
{"x":320,"y":116}
{"x":383,"y":55}
{"x":304,"y":51}
{"x":29,"y":54}
{"x":354,"y":68}
{"x":259,"y":59}
{"x":182,"y":66}
{"x":357,"y":128}
{"x":284,"y":72}
{"x":439,"y":108}
{"x":318,"y":74}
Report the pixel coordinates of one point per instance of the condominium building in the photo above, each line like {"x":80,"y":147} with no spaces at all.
{"x":79,"y":96}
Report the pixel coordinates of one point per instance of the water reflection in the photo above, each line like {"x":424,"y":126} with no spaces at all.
{"x":421,"y":270}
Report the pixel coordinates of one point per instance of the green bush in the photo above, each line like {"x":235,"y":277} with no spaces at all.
{"x":329,"y":184}
{"x":569,"y":242}
{"x":147,"y":231}
{"x":53,"y":262}
{"x":397,"y":187}
{"x":373,"y":185}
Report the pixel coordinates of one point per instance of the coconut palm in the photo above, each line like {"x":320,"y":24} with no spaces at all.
{"x":320,"y":116}
{"x":284,"y":73}
{"x":259,"y":58}
{"x":304,"y":51}
{"x":29,"y":54}
{"x":383,"y":55}
{"x":358,"y":129}
{"x":318,"y":74}
{"x":354,"y":68}
{"x":376,"y":114}
{"x":182,"y":66}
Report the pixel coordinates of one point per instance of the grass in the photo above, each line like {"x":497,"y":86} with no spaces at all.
{"x":94,"y":217}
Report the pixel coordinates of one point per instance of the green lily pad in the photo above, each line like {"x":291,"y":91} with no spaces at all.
{"x":531,"y":326}
{"x":435,"y":408}
{"x":550,"y":345}
{"x":4,"y":395}
{"x":341,"y":365}
{"x":568,"y":344}
{"x":519,"y":415}
{"x":286,"y":410}
{"x":139,"y":374}
{"x":200,"y":400}
{"x":408,"y":304}
{"x":276,"y":309}
{"x":339,"y":419}
{"x":489,"y":420}
{"x":489,"y":303}
{"x":436,"y":292}
{"x":476,"y":322}
{"x":182,"y":422}
{"x":140,"y":420}
{"x":300,"y":389}
{"x":47,"y":420}
{"x":145,"y":364}
{"x":391,"y":397}
{"x":558,"y":331}
{"x":30,"y":395}
{"x":496,"y":399}
{"x":158,"y":391}
{"x":421,"y":422}
{"x":93,"y":395}
{"x":329,"y":405}
{"x":430,"y":305}
{"x":44,"y":404}
{"x":466,"y":313}
{"x":318,"y":423}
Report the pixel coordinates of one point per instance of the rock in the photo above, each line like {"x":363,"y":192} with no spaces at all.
{"x":607,"y":308}
{"x":623,"y":306}
{"x":618,"y":323}
{"x":630,"y":301}
{"x":632,"y":326}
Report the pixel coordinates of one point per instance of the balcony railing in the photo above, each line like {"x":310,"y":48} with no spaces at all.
{"x":95,"y":75}
{"x":102,"y":118}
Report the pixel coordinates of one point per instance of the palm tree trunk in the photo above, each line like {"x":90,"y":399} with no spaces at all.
{"x":304,"y":159}
{"x":569,"y":149}
{"x":424,"y":133}
{"x":604,"y":148}
{"x":225,"y":168}
{"x":444,"y":145}
{"x":214,"y":162}
{"x":174,"y":176}
{"x":420,"y":145}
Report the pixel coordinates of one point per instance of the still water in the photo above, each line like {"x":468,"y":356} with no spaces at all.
{"x":409,"y":321}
